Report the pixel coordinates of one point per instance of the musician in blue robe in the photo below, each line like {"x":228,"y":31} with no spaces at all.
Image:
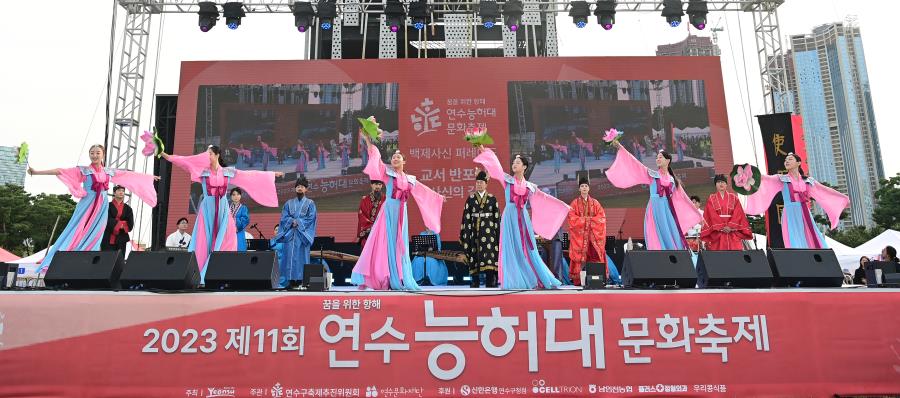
{"x":296,"y":231}
{"x":434,"y":268}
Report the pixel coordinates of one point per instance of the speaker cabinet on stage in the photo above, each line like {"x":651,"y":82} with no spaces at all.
{"x":659,"y":269}
{"x":161,"y":270}
{"x":595,"y":276}
{"x":10,"y":272}
{"x":85,"y":270}
{"x":242,"y":271}
{"x":745,"y":269}
{"x":315,"y":278}
{"x":805,"y":268}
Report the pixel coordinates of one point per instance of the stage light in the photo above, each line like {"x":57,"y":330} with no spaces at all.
{"x":696,"y":12}
{"x":579,"y":11}
{"x":672,"y":10}
{"x":512,"y":14}
{"x":394,"y":15}
{"x":326,"y":10}
{"x":606,"y":13}
{"x":489,"y":12}
{"x":208,"y":14}
{"x":233,"y":12}
{"x":419,"y":13}
{"x":303,"y":15}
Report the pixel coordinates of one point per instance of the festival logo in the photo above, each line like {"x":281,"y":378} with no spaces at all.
{"x":213,"y":392}
{"x":277,"y":391}
{"x":426,"y":117}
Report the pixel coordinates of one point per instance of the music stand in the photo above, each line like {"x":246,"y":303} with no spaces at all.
{"x":258,"y":245}
{"x":425,"y":244}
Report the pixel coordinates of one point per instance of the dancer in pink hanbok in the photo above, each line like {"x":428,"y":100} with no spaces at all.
{"x":797,"y":227}
{"x":669,"y":211}
{"x":384,"y":262}
{"x":520,"y":265}
{"x":214,"y":229}
{"x":90,"y":184}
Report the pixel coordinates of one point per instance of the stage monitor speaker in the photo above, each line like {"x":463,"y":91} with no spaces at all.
{"x":161,"y":270}
{"x":242,"y":271}
{"x":594,"y":276}
{"x":745,"y":269}
{"x":315,"y":278}
{"x":85,"y":270}
{"x":805,"y":268}
{"x":659,"y":269}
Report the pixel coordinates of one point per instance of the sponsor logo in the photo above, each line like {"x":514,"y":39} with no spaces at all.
{"x":595,"y":389}
{"x":664,"y":388}
{"x":465,"y":390}
{"x":371,"y":392}
{"x":541,"y":387}
{"x":213,"y":392}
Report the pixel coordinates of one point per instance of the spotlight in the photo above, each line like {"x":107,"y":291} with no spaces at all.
{"x":419,"y":13}
{"x":512,"y":14}
{"x":697,"y":11}
{"x":579,"y":11}
{"x":394,"y":15}
{"x":303,"y":15}
{"x":606,"y":13}
{"x":233,"y":12}
{"x":326,"y":10}
{"x":209,"y":14}
{"x":672,"y":10}
{"x":489,"y":12}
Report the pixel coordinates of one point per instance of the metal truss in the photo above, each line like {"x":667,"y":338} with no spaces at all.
{"x":124,"y":132}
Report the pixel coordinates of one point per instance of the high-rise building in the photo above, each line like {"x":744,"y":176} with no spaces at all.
{"x":11,"y":172}
{"x":689,"y":91}
{"x":829,"y":82}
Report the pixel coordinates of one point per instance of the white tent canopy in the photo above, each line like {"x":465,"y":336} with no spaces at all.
{"x":873,"y":247}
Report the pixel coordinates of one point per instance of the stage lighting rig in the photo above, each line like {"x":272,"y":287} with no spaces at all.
{"x":512,"y":14}
{"x":208,"y":14}
{"x":326,"y":10}
{"x":672,"y":10}
{"x":303,"y":15}
{"x":394,"y":15}
{"x":579,"y":11}
{"x":606,"y":13}
{"x":419,"y":13}
{"x":696,"y":11}
{"x":233,"y":12}
{"x":489,"y":12}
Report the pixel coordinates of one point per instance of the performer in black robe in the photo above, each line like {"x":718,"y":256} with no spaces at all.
{"x":480,"y":233}
{"x":119,"y":222}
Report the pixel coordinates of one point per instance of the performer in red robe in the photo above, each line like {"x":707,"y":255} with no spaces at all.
{"x":368,"y":210}
{"x":724,"y":222}
{"x":587,"y":232}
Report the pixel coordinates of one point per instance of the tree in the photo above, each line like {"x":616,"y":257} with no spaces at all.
{"x":757,"y":224}
{"x":24,"y":216}
{"x":855,"y":235}
{"x":887,"y":209}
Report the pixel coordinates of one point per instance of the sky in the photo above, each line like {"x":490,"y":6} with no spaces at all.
{"x":56,"y":66}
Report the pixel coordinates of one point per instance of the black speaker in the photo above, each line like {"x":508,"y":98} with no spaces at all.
{"x":161,"y":270}
{"x":746,"y":269}
{"x":242,"y":271}
{"x":594,"y":276}
{"x":805,"y":268}
{"x":10,"y":272}
{"x":659,"y":269}
{"x":85,"y":270}
{"x":314,"y":277}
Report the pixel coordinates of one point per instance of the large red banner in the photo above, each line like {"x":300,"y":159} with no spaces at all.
{"x":564,"y":344}
{"x":299,"y":117}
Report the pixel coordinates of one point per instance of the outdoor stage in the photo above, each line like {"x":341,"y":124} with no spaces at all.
{"x":450,"y":342}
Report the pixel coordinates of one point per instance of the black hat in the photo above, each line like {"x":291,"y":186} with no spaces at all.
{"x":376,"y":182}
{"x":583,"y":180}
{"x":301,"y":181}
{"x":482,"y":176}
{"x":720,"y":177}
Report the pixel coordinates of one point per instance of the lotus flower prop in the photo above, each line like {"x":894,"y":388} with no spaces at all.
{"x":478,"y":136}
{"x":153,"y":145}
{"x":745,"y":178}
{"x":612,"y":135}
{"x":370,"y":127}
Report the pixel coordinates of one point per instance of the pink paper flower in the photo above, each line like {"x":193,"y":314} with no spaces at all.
{"x":744,"y":177}
{"x":149,"y":145}
{"x":612,"y":135}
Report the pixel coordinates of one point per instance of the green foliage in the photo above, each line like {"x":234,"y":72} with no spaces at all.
{"x":887,"y":211}
{"x":24,"y":216}
{"x":757,"y":224}
{"x":855,"y":236}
